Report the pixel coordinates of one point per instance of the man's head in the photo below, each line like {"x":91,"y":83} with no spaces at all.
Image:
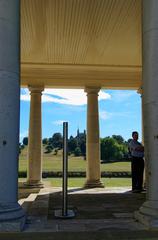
{"x":135,"y":135}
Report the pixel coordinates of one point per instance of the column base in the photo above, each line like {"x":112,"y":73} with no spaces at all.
{"x":93,"y":184}
{"x":148,"y":214}
{"x":12,"y":217}
{"x":33,"y":184}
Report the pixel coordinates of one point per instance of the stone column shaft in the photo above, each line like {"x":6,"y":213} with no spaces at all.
{"x":148,"y":213}
{"x":11,"y":214}
{"x":140,"y":91}
{"x":92,"y":139}
{"x":34,"y":174}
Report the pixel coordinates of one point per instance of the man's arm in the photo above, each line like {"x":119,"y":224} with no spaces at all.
{"x":136,"y":147}
{"x":140,"y":148}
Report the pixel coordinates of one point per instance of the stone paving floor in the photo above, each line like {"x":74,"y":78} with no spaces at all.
{"x":100,"y":214}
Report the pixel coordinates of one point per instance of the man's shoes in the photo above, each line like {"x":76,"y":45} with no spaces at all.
{"x":136,"y":191}
{"x":143,"y":190}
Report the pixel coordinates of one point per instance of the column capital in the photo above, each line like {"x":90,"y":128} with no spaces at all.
{"x":36,"y":89}
{"x":92,"y":90}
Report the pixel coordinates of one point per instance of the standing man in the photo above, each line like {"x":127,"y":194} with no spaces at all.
{"x":137,"y":164}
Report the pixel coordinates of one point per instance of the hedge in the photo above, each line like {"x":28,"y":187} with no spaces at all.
{"x":77,"y":174}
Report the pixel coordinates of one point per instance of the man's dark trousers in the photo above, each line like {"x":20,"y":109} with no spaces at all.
{"x":137,"y":173}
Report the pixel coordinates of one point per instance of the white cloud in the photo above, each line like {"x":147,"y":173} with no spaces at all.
{"x":104,"y":115}
{"x":25,"y":96}
{"x":108,"y":115}
{"x":122,"y":96}
{"x":65,"y":96}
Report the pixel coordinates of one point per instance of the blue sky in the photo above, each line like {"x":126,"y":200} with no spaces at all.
{"x":119,"y":112}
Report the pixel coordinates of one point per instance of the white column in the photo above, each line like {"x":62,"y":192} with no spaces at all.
{"x":92,"y":140}
{"x":34,"y":173}
{"x":140,"y":91}
{"x":148,"y":213}
{"x":11,"y":214}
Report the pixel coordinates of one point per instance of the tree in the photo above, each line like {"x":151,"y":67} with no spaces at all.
{"x":81,"y":142}
{"x":83,"y":147}
{"x":45,"y":141}
{"x":25,"y":141}
{"x":118,"y":138}
{"x":77,"y":145}
{"x":19,"y":148}
{"x":77,"y":152}
{"x":55,"y":151}
{"x":57,"y":140}
{"x":72,"y":144}
{"x":108,"y":148}
{"x":112,"y":150}
{"x":48,"y":149}
{"x":80,"y":138}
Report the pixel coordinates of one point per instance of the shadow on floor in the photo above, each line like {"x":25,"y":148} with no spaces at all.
{"x":100,"y":215}
{"x":98,"y":206}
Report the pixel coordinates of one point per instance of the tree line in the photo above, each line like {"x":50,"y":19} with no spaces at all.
{"x":113,"y":148}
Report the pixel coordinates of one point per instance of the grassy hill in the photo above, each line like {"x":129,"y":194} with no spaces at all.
{"x":53,"y":162}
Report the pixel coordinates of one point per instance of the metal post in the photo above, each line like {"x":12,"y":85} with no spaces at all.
{"x":65,"y":212}
{"x":65,"y":167}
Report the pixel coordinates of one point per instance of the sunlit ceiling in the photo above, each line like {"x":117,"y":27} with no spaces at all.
{"x":78,"y":43}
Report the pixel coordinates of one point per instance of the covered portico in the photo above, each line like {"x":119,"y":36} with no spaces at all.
{"x":78,"y":44}
{"x":74,"y":44}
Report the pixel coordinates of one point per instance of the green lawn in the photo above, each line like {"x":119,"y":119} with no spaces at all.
{"x":79,"y":182}
{"x":54,"y":163}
